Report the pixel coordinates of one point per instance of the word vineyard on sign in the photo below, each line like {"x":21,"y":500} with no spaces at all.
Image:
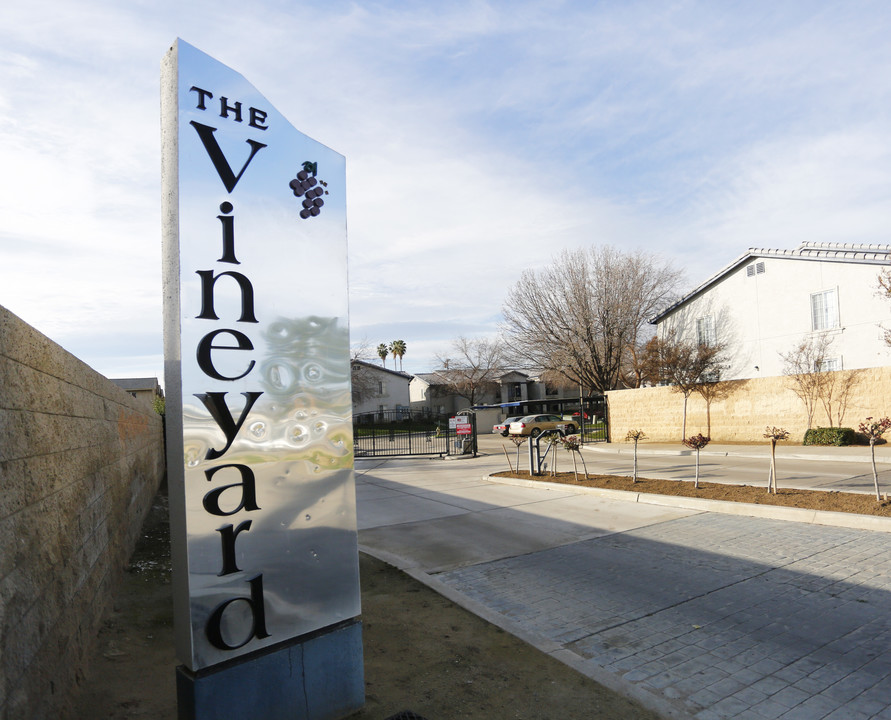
{"x":257,"y":370}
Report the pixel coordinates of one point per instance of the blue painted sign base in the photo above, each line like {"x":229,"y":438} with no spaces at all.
{"x":315,"y":677}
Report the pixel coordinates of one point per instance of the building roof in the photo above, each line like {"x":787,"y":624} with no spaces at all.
{"x":862,"y":254}
{"x":508,"y":373}
{"x":381,"y":368}
{"x":134,"y":384}
{"x":436,"y":377}
{"x":429,"y":378}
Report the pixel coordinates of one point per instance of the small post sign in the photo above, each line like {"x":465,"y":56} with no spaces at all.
{"x":462,"y":425}
{"x":259,"y":432}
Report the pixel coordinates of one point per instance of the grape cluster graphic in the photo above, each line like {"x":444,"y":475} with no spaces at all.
{"x":311,"y":190}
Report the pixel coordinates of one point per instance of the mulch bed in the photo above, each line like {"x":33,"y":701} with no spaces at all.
{"x":832,"y":501}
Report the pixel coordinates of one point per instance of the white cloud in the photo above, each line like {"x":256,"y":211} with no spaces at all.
{"x":481,"y":139}
{"x":781,"y":192}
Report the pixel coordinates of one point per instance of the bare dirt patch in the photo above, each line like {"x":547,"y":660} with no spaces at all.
{"x":832,"y":501}
{"x":423,"y":653}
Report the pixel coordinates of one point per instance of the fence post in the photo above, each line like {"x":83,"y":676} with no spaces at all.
{"x":473,"y":433}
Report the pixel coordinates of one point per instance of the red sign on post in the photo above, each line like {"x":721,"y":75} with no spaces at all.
{"x":461,"y":424}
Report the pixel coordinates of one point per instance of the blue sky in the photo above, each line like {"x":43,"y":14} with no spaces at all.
{"x":481,"y":139}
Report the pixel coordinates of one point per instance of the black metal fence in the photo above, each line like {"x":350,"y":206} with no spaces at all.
{"x":595,"y":427}
{"x":404,"y":432}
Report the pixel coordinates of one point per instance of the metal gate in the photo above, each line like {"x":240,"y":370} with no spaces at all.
{"x":404,"y":432}
{"x":596,"y":419}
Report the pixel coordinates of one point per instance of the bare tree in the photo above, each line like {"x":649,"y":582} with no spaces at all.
{"x":802,"y":366}
{"x":364,"y":385}
{"x":558,"y":381}
{"x":650,"y":363}
{"x":885,"y":291}
{"x":638,"y":369}
{"x":696,"y":442}
{"x":473,"y":367}
{"x":836,"y":390}
{"x":361,"y":350}
{"x":686,"y":365}
{"x":774,"y":434}
{"x":636,"y":435}
{"x":712,"y":391}
{"x":874,"y":429}
{"x":579,"y":316}
{"x":517,"y":440}
{"x":807,"y":367}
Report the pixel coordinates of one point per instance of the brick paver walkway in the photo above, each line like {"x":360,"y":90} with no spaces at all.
{"x":723,"y":616}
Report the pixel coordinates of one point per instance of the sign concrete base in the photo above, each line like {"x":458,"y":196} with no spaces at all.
{"x":314,"y":677}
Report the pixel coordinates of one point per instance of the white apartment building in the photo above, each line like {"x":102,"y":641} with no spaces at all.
{"x":767,"y":301}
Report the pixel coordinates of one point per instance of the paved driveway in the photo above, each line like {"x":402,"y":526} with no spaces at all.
{"x":696,"y":614}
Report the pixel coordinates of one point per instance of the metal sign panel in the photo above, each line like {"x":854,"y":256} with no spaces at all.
{"x":257,"y":368}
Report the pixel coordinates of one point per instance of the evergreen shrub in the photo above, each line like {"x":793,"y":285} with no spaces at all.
{"x":837,"y":436}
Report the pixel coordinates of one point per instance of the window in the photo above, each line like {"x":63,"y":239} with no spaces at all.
{"x":827,"y":365}
{"x":705,"y":330}
{"x":824,"y":310}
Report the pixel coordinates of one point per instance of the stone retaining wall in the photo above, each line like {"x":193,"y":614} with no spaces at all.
{"x":742,"y":416}
{"x":80,"y":461}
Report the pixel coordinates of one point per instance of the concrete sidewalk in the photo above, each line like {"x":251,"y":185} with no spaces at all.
{"x":695,"y":614}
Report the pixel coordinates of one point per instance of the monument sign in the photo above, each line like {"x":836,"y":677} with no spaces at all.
{"x":257,"y":373}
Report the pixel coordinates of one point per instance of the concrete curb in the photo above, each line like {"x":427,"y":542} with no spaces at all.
{"x":774,"y":512}
{"x":661,"y":706}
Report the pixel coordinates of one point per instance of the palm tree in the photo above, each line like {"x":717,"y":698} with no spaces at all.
{"x":382,"y":352}
{"x":398,"y":348}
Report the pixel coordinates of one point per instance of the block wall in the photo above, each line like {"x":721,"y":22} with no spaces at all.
{"x":80,"y":461}
{"x":741,"y":416}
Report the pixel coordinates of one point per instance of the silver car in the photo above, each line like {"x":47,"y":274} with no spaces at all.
{"x":534,"y":425}
{"x":503,"y":427}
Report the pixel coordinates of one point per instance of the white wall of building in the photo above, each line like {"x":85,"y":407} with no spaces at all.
{"x":769,"y":311}
{"x":382,"y":389}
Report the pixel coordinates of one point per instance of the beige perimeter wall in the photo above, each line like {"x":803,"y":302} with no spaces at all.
{"x":750,"y":406}
{"x":80,"y":461}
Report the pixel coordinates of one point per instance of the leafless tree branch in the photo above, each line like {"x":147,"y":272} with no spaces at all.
{"x":473,"y":367}
{"x":580,"y":316}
